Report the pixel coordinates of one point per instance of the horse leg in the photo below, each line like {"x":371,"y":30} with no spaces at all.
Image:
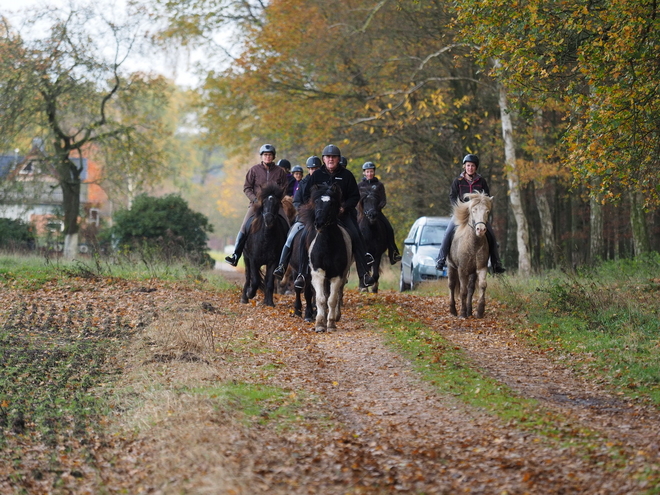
{"x":463,"y":282}
{"x":318,"y":280}
{"x":481,"y":304}
{"x":375,"y":273}
{"x":310,"y":301}
{"x":246,"y":286}
{"x":452,"y":274}
{"x":269,"y":285}
{"x":334,"y":312}
{"x":472,"y":278}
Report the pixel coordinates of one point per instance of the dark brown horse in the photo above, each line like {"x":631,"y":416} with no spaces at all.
{"x":374,"y":232}
{"x":264,"y":244}
{"x":467,"y":264}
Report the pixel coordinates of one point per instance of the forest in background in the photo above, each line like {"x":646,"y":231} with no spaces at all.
{"x":559,"y":99}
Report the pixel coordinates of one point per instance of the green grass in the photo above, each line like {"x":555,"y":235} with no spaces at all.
{"x":32,"y":272}
{"x":606,"y":319}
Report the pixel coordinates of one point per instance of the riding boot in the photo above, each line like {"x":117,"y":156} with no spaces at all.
{"x":441,"y":262}
{"x":495,"y":260}
{"x":241,"y":238}
{"x":284,"y":262}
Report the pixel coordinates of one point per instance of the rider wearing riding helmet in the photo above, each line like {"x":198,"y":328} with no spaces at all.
{"x":256,"y":179}
{"x":297,"y":172}
{"x":371,"y":184}
{"x":469,"y":182}
{"x":332,"y":172}
{"x":313,"y":164}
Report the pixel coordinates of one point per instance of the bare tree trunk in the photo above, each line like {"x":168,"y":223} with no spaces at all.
{"x":641,"y":242}
{"x":522,"y":232}
{"x":596,"y":228}
{"x":548,"y":246}
{"x":70,"y":184}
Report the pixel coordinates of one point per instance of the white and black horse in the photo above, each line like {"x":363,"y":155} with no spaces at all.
{"x":330,"y":253}
{"x":264,"y":244}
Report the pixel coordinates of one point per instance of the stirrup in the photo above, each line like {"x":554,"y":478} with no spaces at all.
{"x":279,"y":271}
{"x":232,"y":260}
{"x":299,"y":282}
{"x":368,"y":257}
{"x":368,"y":280}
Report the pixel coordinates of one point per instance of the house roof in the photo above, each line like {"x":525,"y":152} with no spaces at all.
{"x":7,"y":162}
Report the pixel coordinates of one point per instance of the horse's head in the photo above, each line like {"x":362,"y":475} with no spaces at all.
{"x":327,"y":202}
{"x":268,"y":204}
{"x":479,"y":206}
{"x":369,"y":206}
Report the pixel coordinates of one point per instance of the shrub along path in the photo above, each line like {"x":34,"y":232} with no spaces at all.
{"x":200,"y":394}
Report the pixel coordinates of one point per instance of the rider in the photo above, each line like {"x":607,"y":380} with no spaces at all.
{"x":297,"y":172}
{"x":256,"y":178}
{"x":332,"y":172}
{"x":468,"y":182}
{"x":286,"y":165}
{"x":370,"y":183}
{"x":313,"y":164}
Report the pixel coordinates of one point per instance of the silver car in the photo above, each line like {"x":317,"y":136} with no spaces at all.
{"x":420,"y":252}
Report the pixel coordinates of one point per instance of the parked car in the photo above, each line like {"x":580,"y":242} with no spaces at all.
{"x":420,"y":252}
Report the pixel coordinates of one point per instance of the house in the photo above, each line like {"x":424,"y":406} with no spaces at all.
{"x":29,"y":191}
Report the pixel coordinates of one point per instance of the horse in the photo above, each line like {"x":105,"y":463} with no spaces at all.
{"x":294,"y":264}
{"x":330,"y":253}
{"x":467,"y":263}
{"x":264,"y":244}
{"x":374,"y":233}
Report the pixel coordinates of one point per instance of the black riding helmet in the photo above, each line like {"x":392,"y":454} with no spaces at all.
{"x":368,"y":165}
{"x":471,"y":158}
{"x":331,"y":150}
{"x":267,"y":148}
{"x":314,"y":162}
{"x":343,"y":161}
{"x":296,"y":168}
{"x":285,"y":164}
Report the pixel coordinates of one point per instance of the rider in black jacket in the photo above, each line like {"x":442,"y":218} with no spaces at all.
{"x":334,"y":173}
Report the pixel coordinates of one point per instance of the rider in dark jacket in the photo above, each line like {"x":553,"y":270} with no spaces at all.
{"x":313,"y":164}
{"x":468,"y":182}
{"x":334,"y":173}
{"x":371,"y":184}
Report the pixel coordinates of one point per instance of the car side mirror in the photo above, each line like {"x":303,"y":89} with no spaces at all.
{"x":409,"y":242}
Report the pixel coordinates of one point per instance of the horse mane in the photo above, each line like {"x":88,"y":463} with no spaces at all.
{"x":269,"y":189}
{"x":306,"y":212}
{"x":462,"y":209}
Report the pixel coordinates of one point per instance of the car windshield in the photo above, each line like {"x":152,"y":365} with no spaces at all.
{"x":432,"y":234}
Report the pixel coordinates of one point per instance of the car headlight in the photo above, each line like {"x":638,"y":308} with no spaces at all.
{"x":428,"y":261}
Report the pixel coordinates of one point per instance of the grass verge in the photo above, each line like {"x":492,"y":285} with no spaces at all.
{"x":603,"y":321}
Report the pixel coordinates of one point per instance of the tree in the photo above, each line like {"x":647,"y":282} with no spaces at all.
{"x":67,"y":86}
{"x":164,"y":224}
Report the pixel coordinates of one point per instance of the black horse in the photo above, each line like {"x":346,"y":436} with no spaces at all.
{"x":299,"y":245}
{"x":264,"y":244}
{"x":374,"y":232}
{"x":329,"y":251}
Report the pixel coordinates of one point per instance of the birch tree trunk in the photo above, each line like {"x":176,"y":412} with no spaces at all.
{"x":640,"y":234}
{"x":522,"y":230}
{"x":596,"y":240}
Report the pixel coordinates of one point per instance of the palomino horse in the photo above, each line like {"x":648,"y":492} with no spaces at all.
{"x":264,"y":244}
{"x":330,"y":254}
{"x":467,"y":264}
{"x":374,"y":233}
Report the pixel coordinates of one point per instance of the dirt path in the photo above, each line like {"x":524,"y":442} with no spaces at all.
{"x":368,"y":423}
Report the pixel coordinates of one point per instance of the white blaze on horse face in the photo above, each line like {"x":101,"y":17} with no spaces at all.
{"x":325,"y":199}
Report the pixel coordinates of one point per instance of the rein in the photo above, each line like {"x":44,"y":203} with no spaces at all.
{"x":474,"y":225}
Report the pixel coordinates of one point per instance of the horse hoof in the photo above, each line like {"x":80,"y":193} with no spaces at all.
{"x":309,"y":319}
{"x":319,"y":329}
{"x":244,"y":300}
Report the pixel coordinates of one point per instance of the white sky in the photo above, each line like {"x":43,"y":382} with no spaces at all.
{"x":177,"y":66}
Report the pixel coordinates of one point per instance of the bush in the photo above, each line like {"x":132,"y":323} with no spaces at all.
{"x":164,"y":224}
{"x":15,"y":234}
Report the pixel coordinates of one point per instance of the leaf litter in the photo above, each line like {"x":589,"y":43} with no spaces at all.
{"x":353,"y":416}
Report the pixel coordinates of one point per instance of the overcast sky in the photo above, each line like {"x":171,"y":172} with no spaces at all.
{"x":177,"y":66}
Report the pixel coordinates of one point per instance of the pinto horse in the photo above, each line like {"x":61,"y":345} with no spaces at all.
{"x":374,"y":233}
{"x":467,"y":264}
{"x":330,"y":254}
{"x":264,"y":244}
